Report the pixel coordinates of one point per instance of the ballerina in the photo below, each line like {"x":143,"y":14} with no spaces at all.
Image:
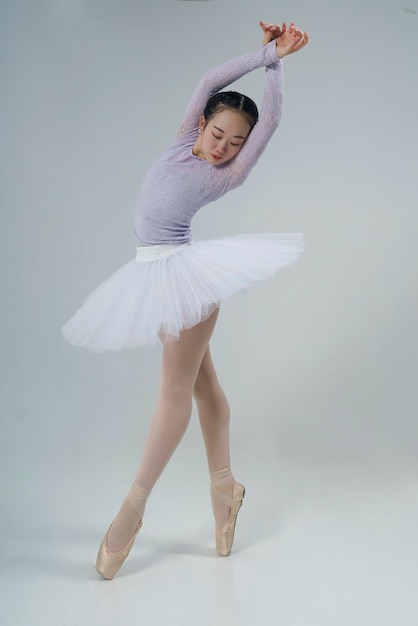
{"x":173,"y":289}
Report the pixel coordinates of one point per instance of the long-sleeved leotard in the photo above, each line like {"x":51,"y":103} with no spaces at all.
{"x":179,"y":183}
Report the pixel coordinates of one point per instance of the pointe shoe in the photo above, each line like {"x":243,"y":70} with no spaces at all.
{"x":225,"y":535}
{"x":109,"y":563}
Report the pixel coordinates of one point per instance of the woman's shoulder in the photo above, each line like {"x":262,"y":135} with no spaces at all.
{"x":182,"y":144}
{"x":178,"y":151}
{"x":187,"y":135}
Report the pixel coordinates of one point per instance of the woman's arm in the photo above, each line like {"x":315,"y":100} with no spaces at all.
{"x":268,"y":121}
{"x":286,"y":41}
{"x":221,"y":76}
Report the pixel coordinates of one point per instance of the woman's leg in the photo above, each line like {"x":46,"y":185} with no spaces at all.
{"x":214,"y":416}
{"x":181,"y":361}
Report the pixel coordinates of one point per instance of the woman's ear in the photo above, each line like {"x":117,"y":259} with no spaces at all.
{"x":202,"y":123}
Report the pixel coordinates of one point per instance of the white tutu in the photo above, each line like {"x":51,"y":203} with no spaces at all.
{"x":169,"y":288}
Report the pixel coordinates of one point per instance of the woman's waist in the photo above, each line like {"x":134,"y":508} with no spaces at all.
{"x":150,"y":252}
{"x":154,"y":234}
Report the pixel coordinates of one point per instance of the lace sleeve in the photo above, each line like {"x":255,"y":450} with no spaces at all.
{"x":220,"y":77}
{"x":270,"y":114}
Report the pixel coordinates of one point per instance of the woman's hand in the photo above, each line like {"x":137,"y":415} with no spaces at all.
{"x":271,"y":31}
{"x":292,"y":40}
{"x":288,"y":39}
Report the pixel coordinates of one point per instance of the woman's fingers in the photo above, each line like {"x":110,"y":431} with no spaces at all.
{"x":272,"y":31}
{"x":299,"y":42}
{"x":276,"y":29}
{"x":303,"y":40}
{"x":288,"y":38}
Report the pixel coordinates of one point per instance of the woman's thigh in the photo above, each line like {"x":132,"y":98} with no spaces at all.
{"x":181,"y":359}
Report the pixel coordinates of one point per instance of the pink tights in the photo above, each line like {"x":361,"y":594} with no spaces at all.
{"x":187,"y":371}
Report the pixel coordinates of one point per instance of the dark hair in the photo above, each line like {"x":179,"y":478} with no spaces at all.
{"x":233,"y":101}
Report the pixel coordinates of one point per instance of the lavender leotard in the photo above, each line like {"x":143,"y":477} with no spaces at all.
{"x":178,"y":183}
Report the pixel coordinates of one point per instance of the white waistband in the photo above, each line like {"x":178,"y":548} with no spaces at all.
{"x":158,"y":251}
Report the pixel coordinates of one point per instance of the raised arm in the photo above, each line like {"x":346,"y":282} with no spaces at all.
{"x":285,"y":40}
{"x":268,"y":121}
{"x":220,"y":77}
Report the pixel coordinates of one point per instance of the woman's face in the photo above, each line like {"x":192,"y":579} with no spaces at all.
{"x":222,"y":137}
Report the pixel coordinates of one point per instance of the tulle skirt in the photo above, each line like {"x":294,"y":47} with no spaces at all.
{"x":168,"y":288}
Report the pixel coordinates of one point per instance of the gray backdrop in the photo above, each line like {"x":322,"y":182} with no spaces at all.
{"x":319,"y":362}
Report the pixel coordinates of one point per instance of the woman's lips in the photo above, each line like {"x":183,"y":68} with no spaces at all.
{"x":216,"y":157}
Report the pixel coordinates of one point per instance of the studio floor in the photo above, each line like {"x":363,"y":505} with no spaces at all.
{"x":319,"y":542}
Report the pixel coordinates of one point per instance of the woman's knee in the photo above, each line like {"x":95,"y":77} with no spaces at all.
{"x":176,"y":389}
{"x":205,"y":388}
{"x":209,"y":395}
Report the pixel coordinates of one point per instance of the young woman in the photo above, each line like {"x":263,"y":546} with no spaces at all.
{"x":174,"y":287}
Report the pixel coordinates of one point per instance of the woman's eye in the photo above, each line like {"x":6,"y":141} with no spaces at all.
{"x":235,"y":144}
{"x":216,"y":136}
